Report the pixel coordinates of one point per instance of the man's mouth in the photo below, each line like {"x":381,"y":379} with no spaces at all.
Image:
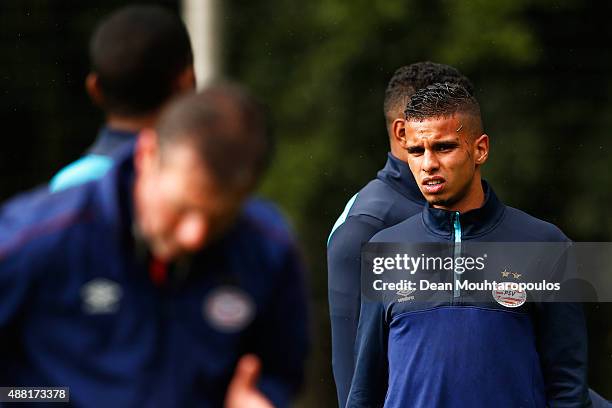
{"x":433,"y":185}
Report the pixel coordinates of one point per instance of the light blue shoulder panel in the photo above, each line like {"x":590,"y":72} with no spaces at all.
{"x":87,"y":168}
{"x":343,"y":216}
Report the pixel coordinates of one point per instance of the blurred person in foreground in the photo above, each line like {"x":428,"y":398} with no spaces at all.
{"x":391,"y":197}
{"x":457,"y":353}
{"x":151,"y":286}
{"x":141,"y":59}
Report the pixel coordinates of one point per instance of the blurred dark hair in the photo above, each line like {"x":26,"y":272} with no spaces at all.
{"x":441,"y":100}
{"x":410,"y":78}
{"x":227,"y":127}
{"x":137,"y":52}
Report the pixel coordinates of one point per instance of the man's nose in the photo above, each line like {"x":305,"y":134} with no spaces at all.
{"x":191,"y":232}
{"x":430,"y":162}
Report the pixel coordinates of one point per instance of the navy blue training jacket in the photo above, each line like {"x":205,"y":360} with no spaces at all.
{"x":457,"y":354}
{"x":385,"y":201}
{"x":78,"y":308}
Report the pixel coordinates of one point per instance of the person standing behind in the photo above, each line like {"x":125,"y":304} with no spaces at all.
{"x":390,"y":198}
{"x":141,"y":58}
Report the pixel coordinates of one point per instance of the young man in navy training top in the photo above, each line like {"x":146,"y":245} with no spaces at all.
{"x":98,"y":292}
{"x":457,"y":354}
{"x":390,"y":198}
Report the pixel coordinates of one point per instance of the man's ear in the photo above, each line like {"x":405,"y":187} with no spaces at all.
{"x":147,"y":149}
{"x":185,"y":81}
{"x":481,"y":149}
{"x":398,"y":128}
{"x":94,"y":90}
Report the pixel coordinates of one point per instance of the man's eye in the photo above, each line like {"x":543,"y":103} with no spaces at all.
{"x":444,"y":147}
{"x":415,"y":151}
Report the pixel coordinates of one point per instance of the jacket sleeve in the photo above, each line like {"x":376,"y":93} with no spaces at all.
{"x":21,"y":259}
{"x":16,"y":280}
{"x":370,"y":381}
{"x":562,"y":344}
{"x":344,"y":287}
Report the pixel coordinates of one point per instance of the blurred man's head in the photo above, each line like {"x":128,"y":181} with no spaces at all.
{"x":140,"y":57}
{"x":446,"y":146}
{"x":194,"y":170}
{"x":403,"y":84}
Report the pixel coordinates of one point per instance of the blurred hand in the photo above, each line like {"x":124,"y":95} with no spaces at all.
{"x":242,"y":391}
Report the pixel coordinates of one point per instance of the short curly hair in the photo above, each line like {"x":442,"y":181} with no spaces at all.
{"x":441,"y":100}
{"x":410,"y":78}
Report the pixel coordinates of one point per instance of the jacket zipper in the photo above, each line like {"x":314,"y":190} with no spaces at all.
{"x":456,"y":254}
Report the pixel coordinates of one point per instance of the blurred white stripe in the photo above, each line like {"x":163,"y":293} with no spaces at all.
{"x":203,"y":23}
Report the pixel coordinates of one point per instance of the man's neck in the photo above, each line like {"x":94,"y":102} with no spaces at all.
{"x":130,"y":123}
{"x":399,"y":153}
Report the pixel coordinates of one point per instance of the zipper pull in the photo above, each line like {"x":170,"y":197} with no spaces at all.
{"x":457,"y":253}
{"x":457,"y":227}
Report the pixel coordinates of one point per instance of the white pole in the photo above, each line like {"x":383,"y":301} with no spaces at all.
{"x":202,"y":20}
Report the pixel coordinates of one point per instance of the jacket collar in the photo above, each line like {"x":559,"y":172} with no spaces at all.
{"x":474,"y":223}
{"x":110,"y":140}
{"x":397,"y":174}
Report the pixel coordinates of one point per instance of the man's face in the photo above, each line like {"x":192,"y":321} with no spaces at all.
{"x":444,"y":156}
{"x":178,"y":206}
